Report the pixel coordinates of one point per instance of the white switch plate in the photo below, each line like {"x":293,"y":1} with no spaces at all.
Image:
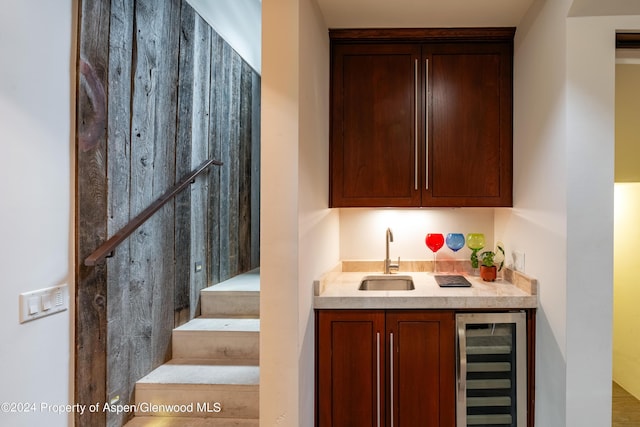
{"x":518,"y":261}
{"x":43,"y":302}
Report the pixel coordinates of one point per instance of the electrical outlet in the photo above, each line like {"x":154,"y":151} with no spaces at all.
{"x":518,"y":261}
{"x":43,"y":302}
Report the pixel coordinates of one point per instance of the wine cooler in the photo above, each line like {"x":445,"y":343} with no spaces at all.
{"x":492,"y":369}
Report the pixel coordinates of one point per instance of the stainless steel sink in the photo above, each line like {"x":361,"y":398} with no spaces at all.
{"x":387,"y":282}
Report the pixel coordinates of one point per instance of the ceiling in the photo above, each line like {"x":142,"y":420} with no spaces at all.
{"x":423,"y":13}
{"x":604,"y":8}
{"x":239,"y":22}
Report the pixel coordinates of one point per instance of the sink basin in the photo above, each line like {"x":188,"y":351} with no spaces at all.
{"x":387,"y":283}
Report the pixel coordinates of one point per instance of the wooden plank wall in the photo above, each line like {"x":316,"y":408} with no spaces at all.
{"x":159,"y":92}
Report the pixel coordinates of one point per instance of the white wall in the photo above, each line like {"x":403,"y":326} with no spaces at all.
{"x":591,"y":94}
{"x":537,"y":223}
{"x":299,"y":234}
{"x":318,"y":225}
{"x":363,"y":232}
{"x":238,"y":23}
{"x":279,"y":215}
{"x":563,"y":210}
{"x":36,"y":226}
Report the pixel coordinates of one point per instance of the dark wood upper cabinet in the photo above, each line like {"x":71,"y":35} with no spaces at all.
{"x":421,"y":117}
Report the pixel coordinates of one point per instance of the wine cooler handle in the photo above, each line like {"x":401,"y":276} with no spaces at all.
{"x":462,"y":375}
{"x":378,"y":375}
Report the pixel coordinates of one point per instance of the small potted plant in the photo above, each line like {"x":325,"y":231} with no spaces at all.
{"x":492,"y":262}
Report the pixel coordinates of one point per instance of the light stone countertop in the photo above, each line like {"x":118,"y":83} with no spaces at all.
{"x":338,"y":289}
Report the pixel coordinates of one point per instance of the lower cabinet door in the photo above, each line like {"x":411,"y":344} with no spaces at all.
{"x":350,"y":359}
{"x":421,"y":359}
{"x":379,"y":368}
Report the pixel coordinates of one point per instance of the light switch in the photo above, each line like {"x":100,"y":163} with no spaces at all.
{"x":34,"y":304}
{"x":43,"y":302}
{"x":46,"y":302}
{"x":518,"y":261}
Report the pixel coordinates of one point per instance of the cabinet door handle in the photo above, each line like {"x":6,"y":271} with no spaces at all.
{"x":378,"y":373}
{"x":415,"y":124}
{"x":426,"y":124}
{"x":391,"y":410}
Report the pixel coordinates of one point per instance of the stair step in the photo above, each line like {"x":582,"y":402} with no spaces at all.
{"x":238,"y":297}
{"x":201,"y":387}
{"x":214,"y":340}
{"x":174,"y":373}
{"x":191,"y":422}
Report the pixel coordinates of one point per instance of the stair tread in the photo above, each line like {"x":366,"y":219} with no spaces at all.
{"x":221,"y":324}
{"x":248,"y":282}
{"x":203,"y":374}
{"x":190,"y":422}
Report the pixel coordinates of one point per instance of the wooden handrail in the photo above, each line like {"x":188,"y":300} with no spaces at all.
{"x":106,"y":249}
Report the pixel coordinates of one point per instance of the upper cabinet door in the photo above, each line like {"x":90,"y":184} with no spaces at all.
{"x":469,"y":103}
{"x":376,"y":119}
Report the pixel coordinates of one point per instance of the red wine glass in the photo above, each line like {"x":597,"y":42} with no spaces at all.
{"x":434,"y":241}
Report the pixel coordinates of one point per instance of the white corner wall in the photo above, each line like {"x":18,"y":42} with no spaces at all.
{"x":318,"y":225}
{"x":36,"y":214}
{"x":299,"y":234}
{"x":590,"y":166}
{"x":591,"y":141}
{"x":279,"y":317}
{"x":536,"y":225}
{"x":563,"y":211}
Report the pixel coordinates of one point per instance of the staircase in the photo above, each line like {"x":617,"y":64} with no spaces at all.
{"x":213,"y":377}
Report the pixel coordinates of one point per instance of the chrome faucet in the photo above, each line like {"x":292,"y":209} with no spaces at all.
{"x":388,"y":266}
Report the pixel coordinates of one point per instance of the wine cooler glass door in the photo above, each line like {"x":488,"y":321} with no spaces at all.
{"x":492,"y":370}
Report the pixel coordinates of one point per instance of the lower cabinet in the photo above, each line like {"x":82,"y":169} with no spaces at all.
{"x":391,"y":368}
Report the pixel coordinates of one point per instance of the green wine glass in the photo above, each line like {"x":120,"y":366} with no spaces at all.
{"x":475,"y":242}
